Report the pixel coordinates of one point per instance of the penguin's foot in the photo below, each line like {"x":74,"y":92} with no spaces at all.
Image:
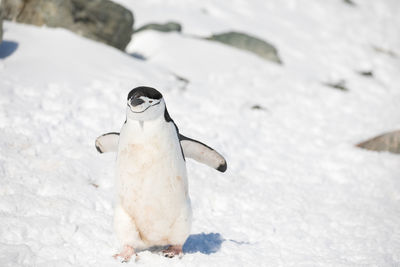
{"x":173,"y":251}
{"x":126,"y":254}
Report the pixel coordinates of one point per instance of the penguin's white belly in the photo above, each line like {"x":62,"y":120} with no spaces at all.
{"x":152,"y":185}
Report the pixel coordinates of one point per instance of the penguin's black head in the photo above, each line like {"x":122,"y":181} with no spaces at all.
{"x":144,"y":91}
{"x":145,"y":103}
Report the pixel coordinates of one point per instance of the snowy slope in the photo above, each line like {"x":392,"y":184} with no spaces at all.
{"x":296,"y":193}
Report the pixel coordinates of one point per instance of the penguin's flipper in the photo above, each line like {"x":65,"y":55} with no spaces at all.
{"x":107,"y":142}
{"x":202,"y":153}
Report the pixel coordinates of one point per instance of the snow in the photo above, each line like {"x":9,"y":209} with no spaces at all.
{"x":296,"y":193}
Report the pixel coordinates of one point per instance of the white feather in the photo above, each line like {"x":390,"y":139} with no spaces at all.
{"x":152,"y":184}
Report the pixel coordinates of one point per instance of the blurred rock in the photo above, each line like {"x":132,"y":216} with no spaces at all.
{"x":385,"y":51}
{"x":340,"y":85}
{"x":167,"y":27}
{"x":349,"y":2}
{"x":105,"y":21}
{"x":100,"y":20}
{"x":385,"y":142}
{"x":257,"y":107}
{"x":1,"y":24}
{"x":11,"y":8}
{"x":249,"y":43}
{"x":367,"y":73}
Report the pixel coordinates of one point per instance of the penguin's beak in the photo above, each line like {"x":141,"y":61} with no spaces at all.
{"x":136,"y":101}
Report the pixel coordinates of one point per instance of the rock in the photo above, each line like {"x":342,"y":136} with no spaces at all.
{"x":105,"y":21}
{"x":100,"y":20}
{"x":349,"y":2}
{"x":367,"y":73}
{"x":167,"y":27}
{"x":385,"y":51}
{"x":257,"y":107}
{"x":53,"y":13}
{"x":11,"y":8}
{"x":1,"y":24}
{"x":249,"y":43}
{"x":385,"y":142}
{"x":340,"y":85}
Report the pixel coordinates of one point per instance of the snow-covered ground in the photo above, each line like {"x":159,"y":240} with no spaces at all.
{"x":297,"y":192}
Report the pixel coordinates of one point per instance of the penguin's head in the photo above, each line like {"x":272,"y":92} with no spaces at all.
{"x":144,"y":103}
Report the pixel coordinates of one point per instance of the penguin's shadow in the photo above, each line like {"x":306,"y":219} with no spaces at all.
{"x":7,"y":48}
{"x":203,"y":243}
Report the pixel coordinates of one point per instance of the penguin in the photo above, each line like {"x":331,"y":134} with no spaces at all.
{"x":152,"y":201}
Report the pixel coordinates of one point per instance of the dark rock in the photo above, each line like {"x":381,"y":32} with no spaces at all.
{"x":94,"y":185}
{"x":340,"y":85}
{"x":100,"y":20}
{"x":138,"y":56}
{"x":257,"y":107}
{"x":349,"y":2}
{"x":167,"y":27}
{"x":1,"y":24}
{"x":249,"y":43}
{"x":367,"y":73}
{"x":385,"y":142}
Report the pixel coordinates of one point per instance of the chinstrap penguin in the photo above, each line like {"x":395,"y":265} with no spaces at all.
{"x":153,"y":206}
